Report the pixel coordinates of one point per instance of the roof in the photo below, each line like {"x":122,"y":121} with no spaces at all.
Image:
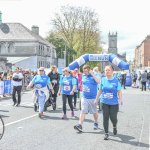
{"x":19,"y":32}
{"x":14,"y":60}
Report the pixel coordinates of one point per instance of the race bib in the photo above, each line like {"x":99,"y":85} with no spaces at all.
{"x":66,"y":88}
{"x":86,"y":89}
{"x":38,"y":86}
{"x":108,"y":95}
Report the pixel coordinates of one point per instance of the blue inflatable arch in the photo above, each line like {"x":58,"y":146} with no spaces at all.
{"x":99,"y":57}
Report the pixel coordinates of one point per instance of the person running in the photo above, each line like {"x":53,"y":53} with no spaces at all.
{"x":41,"y":82}
{"x":89,"y":91}
{"x":111,"y":95}
{"x":67,"y":88}
{"x":54,"y":77}
{"x":17,"y":86}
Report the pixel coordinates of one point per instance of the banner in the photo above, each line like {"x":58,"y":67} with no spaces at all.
{"x":1,"y":87}
{"x":7,"y":87}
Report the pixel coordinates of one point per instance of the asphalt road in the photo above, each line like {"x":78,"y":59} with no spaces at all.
{"x":25,"y":131}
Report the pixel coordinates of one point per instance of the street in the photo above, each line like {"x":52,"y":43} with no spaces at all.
{"x":24,"y":130}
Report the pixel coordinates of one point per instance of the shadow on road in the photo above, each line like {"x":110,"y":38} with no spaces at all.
{"x":4,"y":111}
{"x":26,"y":106}
{"x":127,"y":140}
{"x":45,"y":117}
{"x":4,"y":116}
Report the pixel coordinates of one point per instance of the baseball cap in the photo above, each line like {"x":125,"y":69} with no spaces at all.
{"x":66,"y":69}
{"x":41,"y":68}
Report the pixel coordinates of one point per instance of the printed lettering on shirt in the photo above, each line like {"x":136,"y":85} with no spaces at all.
{"x":66,"y":82}
{"x":38,"y":86}
{"x":85,"y":89}
{"x":108,"y":95}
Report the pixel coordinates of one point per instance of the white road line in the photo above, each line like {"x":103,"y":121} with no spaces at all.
{"x":149,"y":136}
{"x":141,"y":133}
{"x":14,"y":122}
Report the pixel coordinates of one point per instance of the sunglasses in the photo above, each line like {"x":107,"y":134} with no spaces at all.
{"x":41,"y":70}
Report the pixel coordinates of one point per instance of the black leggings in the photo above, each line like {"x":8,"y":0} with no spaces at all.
{"x":75,"y":98}
{"x":109,"y":111}
{"x":64,"y":98}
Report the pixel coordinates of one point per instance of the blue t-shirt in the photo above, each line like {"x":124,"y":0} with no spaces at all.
{"x":89,"y":87}
{"x":41,"y":81}
{"x":109,"y":88}
{"x":67,"y":83}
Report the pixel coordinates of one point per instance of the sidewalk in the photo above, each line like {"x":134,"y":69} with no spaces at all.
{"x":8,"y":97}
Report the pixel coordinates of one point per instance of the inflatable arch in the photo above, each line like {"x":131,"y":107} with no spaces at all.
{"x":99,"y":57}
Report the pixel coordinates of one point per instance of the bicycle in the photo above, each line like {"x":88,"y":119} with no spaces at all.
{"x":2,"y":127}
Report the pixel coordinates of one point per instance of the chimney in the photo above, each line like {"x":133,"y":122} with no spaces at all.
{"x":35,"y":29}
{"x":0,"y":17}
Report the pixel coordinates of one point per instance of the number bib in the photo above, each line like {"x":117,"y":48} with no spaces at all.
{"x":108,"y":95}
{"x":66,"y":88}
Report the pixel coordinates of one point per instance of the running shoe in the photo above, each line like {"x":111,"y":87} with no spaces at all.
{"x":95,"y":126}
{"x":78,"y":127}
{"x":40,"y":114}
{"x":72,"y":114}
{"x":106,"y":136}
{"x":115,"y":130}
{"x":64,"y":116}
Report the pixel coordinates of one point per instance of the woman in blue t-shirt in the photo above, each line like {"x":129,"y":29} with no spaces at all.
{"x":41,"y":83}
{"x":67,"y":88}
{"x":111,"y":95}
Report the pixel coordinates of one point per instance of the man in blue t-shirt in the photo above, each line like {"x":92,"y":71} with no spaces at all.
{"x":89,"y":92}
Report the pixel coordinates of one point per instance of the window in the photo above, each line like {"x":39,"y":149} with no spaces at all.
{"x":10,"y":47}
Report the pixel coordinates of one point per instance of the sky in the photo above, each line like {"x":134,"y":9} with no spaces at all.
{"x":130,"y":19}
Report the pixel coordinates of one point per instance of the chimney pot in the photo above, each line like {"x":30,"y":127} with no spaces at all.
{"x":35,"y":29}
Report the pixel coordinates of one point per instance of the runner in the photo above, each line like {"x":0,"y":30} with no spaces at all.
{"x":89,"y":91}
{"x":110,"y":91}
{"x":41,"y":83}
{"x":67,"y":88}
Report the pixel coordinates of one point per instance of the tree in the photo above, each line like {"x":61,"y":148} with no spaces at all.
{"x":79,"y":28}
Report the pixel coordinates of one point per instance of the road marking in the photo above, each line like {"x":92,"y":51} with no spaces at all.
{"x":14,"y":122}
{"x":141,"y":133}
{"x":149,"y":137}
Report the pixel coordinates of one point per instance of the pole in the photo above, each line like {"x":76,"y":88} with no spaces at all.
{"x":65,"y":56}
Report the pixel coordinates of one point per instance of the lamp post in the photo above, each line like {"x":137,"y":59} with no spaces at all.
{"x":65,"y":56}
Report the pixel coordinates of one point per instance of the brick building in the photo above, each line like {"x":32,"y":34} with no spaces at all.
{"x":142,"y":54}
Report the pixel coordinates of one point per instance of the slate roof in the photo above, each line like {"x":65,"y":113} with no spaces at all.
{"x":19,"y":32}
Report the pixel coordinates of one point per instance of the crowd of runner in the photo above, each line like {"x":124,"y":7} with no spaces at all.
{"x":90,"y":85}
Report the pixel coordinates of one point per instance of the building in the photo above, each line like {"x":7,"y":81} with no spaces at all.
{"x":142,"y":54}
{"x":112,"y":48}
{"x":20,"y":42}
{"x":112,"y":43}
